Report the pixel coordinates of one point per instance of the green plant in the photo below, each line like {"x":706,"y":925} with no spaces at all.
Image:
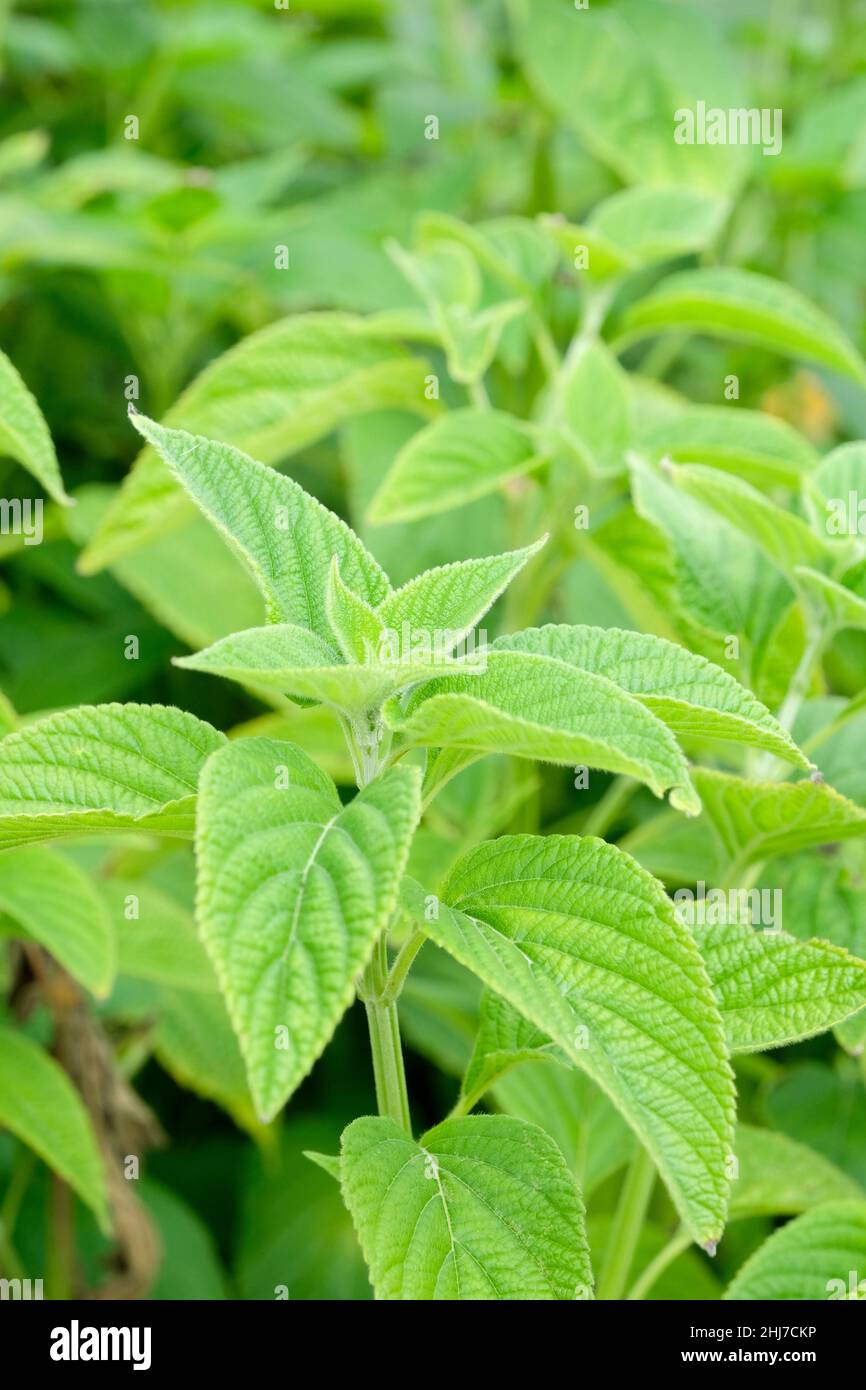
{"x":596,"y":883}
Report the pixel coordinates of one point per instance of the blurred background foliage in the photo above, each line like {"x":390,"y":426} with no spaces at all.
{"x":145,"y":258}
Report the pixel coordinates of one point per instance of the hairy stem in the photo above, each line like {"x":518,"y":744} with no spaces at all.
{"x":628,"y":1219}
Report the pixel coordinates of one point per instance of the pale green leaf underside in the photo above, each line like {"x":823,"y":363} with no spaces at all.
{"x":811,"y":1258}
{"x":837,"y":606}
{"x":458,"y":458}
{"x":757,"y":820}
{"x":103,"y":767}
{"x":778,"y":1176}
{"x":688,"y":693}
{"x":274,"y":392}
{"x":773,"y":989}
{"x":56,"y":904}
{"x":296,"y":662}
{"x":293,"y":890}
{"x":749,"y":308}
{"x":586,"y":946}
{"x":24,"y":434}
{"x":536,"y":706}
{"x":39,"y":1104}
{"x":480,"y":1208}
{"x":285,"y":537}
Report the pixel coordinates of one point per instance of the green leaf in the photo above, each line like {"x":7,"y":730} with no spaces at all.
{"x":329,"y":1163}
{"x":39,"y":1104}
{"x":586,"y":946}
{"x":464,"y":455}
{"x":690,"y":694}
{"x":593,"y":403}
{"x":353,"y":622}
{"x":480,"y":1208}
{"x":56,"y":904}
{"x":535,"y":706}
{"x":505,"y":1039}
{"x":103,"y":767}
{"x":836,"y":606}
{"x":286,"y":538}
{"x":773,"y":989}
{"x":658,"y":224}
{"x":745,"y":307}
{"x":156,"y":938}
{"x":194,"y":1042}
{"x":779,"y":1177}
{"x":24,"y":434}
{"x":293,"y":891}
{"x":453,"y":598}
{"x":757,"y":820}
{"x":820,"y":1255}
{"x":274,"y":392}
{"x":783,"y":536}
{"x":626,"y":62}
{"x":757,"y":447}
{"x":298,"y":663}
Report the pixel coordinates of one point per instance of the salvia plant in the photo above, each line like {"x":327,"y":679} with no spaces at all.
{"x":555,"y":767}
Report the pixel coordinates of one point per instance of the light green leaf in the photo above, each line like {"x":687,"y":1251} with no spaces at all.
{"x":24,"y":434}
{"x":779,"y":1177}
{"x":286,"y":538}
{"x":103,"y":767}
{"x":511,"y":249}
{"x":763,"y":450}
{"x":39,"y":1104}
{"x":584,"y":249}
{"x":353,"y":622}
{"x":657,"y":224}
{"x":593,"y":404}
{"x":329,"y":1163}
{"x":748,"y":308}
{"x":480,"y":1208}
{"x":773,"y":989}
{"x":156,"y":938}
{"x":820,"y":1255}
{"x":586,"y":945}
{"x":836,"y":605}
{"x":505,"y":1039}
{"x":298,"y":663}
{"x":757,"y":820}
{"x":464,"y":455}
{"x":535,"y":706}
{"x":293,"y":891}
{"x":274,"y":392}
{"x":783,"y":536}
{"x":453,"y":598}
{"x":56,"y":904}
{"x":626,"y":63}
{"x":690,"y":694}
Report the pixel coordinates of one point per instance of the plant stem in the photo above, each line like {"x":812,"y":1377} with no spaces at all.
{"x":679,"y":1241}
{"x":608,"y":807}
{"x":633,"y":1201}
{"x":391,"y":1096}
{"x":402,"y":965}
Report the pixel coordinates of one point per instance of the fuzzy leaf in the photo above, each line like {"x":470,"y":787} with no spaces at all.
{"x":464,"y":455}
{"x":773,"y":989}
{"x":293,"y":890}
{"x":586,"y":945}
{"x":690,"y":694}
{"x":757,"y":447}
{"x":779,"y":1177}
{"x":480,"y":1208}
{"x":757,"y":820}
{"x":103,"y":767}
{"x":813,"y":1257}
{"x":285,"y":537}
{"x":156,"y":937}
{"x":353,"y":623}
{"x":593,"y":403}
{"x":535,"y":706}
